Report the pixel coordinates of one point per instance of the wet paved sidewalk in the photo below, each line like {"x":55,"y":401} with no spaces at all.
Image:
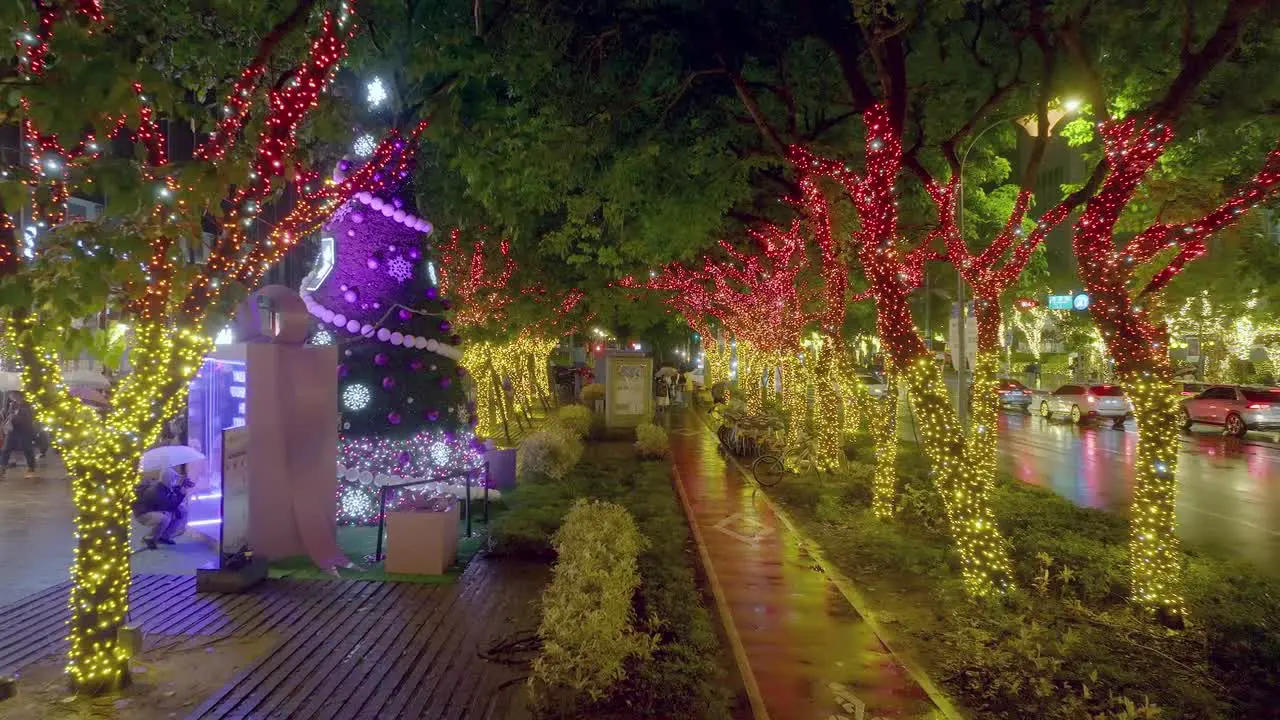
{"x":37,"y":535}
{"x":810,"y":653}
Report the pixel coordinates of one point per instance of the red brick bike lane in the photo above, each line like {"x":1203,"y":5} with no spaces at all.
{"x":809,"y":653}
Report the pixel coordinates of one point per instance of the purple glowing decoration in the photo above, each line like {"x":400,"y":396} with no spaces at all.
{"x":351,"y":296}
{"x":344,"y":165}
{"x":342,"y":371}
{"x":381,"y":359}
{"x":393,"y":417}
{"x":445,"y":326}
{"x":432,"y":293}
{"x":415,"y":253}
{"x":388,"y":383}
{"x":433,"y":415}
{"x":415,"y":365}
{"x":371,"y":263}
{"x":404,"y":314}
{"x":357,"y":218}
{"x":404,"y":457}
{"x":445,"y":382}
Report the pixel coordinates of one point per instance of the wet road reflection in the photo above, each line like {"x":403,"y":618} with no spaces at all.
{"x":1229,"y":501}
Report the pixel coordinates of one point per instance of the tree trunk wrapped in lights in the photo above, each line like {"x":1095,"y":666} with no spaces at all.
{"x":892,"y":274}
{"x":828,"y":424}
{"x":1139,"y":343}
{"x":716,"y":368}
{"x":883,"y":420}
{"x":481,"y":359}
{"x":855,"y":399}
{"x":478,"y":280}
{"x":171,"y":321}
{"x":795,"y":395}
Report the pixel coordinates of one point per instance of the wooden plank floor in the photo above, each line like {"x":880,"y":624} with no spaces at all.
{"x":344,"y":648}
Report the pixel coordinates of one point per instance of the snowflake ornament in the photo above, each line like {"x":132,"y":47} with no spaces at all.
{"x":400,"y":269}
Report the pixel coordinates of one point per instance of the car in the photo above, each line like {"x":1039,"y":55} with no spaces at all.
{"x":1081,"y":402}
{"x":1190,"y":389}
{"x":1238,"y":409}
{"x":875,"y":386}
{"x":1013,"y":394}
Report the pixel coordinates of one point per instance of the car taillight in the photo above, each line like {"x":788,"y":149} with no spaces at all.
{"x":1091,"y":398}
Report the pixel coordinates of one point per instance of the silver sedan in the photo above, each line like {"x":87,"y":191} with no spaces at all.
{"x":1081,"y":402}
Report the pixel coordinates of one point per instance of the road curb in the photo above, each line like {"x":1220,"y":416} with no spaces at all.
{"x":852,"y":596}
{"x":754,"y":697}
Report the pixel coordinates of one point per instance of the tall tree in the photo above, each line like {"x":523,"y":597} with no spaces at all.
{"x":250,"y":159}
{"x":1137,"y":129}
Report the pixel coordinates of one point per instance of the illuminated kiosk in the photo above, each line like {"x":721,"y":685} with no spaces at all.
{"x":271,"y":402}
{"x":628,"y":383}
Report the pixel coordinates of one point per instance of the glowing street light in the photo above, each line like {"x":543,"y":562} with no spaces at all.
{"x":375,"y":93}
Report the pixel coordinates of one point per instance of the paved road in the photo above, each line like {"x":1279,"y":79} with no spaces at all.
{"x":1229,"y":503}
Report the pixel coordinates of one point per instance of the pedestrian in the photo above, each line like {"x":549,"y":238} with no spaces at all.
{"x":20,"y":433}
{"x":160,"y":505}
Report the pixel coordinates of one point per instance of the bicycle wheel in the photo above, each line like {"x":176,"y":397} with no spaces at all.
{"x":767,"y":470}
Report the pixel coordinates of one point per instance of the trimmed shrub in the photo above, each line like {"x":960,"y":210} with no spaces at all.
{"x":576,"y":418}
{"x":651,"y":441}
{"x":552,"y":452}
{"x":588,"y":620}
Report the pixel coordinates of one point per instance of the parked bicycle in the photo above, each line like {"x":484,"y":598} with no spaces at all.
{"x":745,"y":435}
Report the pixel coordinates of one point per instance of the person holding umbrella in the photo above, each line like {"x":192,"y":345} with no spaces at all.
{"x":162,"y":495}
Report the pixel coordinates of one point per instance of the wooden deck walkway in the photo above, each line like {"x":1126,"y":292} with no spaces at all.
{"x":344,"y":648}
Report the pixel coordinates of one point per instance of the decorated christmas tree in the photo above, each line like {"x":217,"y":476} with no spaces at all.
{"x":372,"y":291}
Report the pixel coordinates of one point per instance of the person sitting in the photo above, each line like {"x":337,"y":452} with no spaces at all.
{"x":159,"y":506}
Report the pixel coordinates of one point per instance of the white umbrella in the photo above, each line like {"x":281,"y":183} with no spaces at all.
{"x":10,"y":381}
{"x":667,"y":371}
{"x":167,"y":456}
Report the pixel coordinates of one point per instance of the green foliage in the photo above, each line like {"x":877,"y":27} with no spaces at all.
{"x":683,"y":678}
{"x":651,"y":441}
{"x":552,"y":452}
{"x":575,"y":418}
{"x":587,"y":628}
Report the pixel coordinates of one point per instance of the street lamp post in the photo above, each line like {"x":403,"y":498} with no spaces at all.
{"x":962,"y":351}
{"x":1069,"y":106}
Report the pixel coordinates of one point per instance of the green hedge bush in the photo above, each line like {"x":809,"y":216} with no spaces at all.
{"x":683,"y":679}
{"x":551,"y":452}
{"x":652,"y":442}
{"x":588,"y":621}
{"x":576,"y":418}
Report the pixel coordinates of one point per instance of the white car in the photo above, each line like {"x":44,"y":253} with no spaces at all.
{"x":1081,"y":402}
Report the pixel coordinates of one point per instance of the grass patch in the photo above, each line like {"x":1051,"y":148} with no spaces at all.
{"x":683,"y":678}
{"x":359,"y":541}
{"x":1065,"y":644}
